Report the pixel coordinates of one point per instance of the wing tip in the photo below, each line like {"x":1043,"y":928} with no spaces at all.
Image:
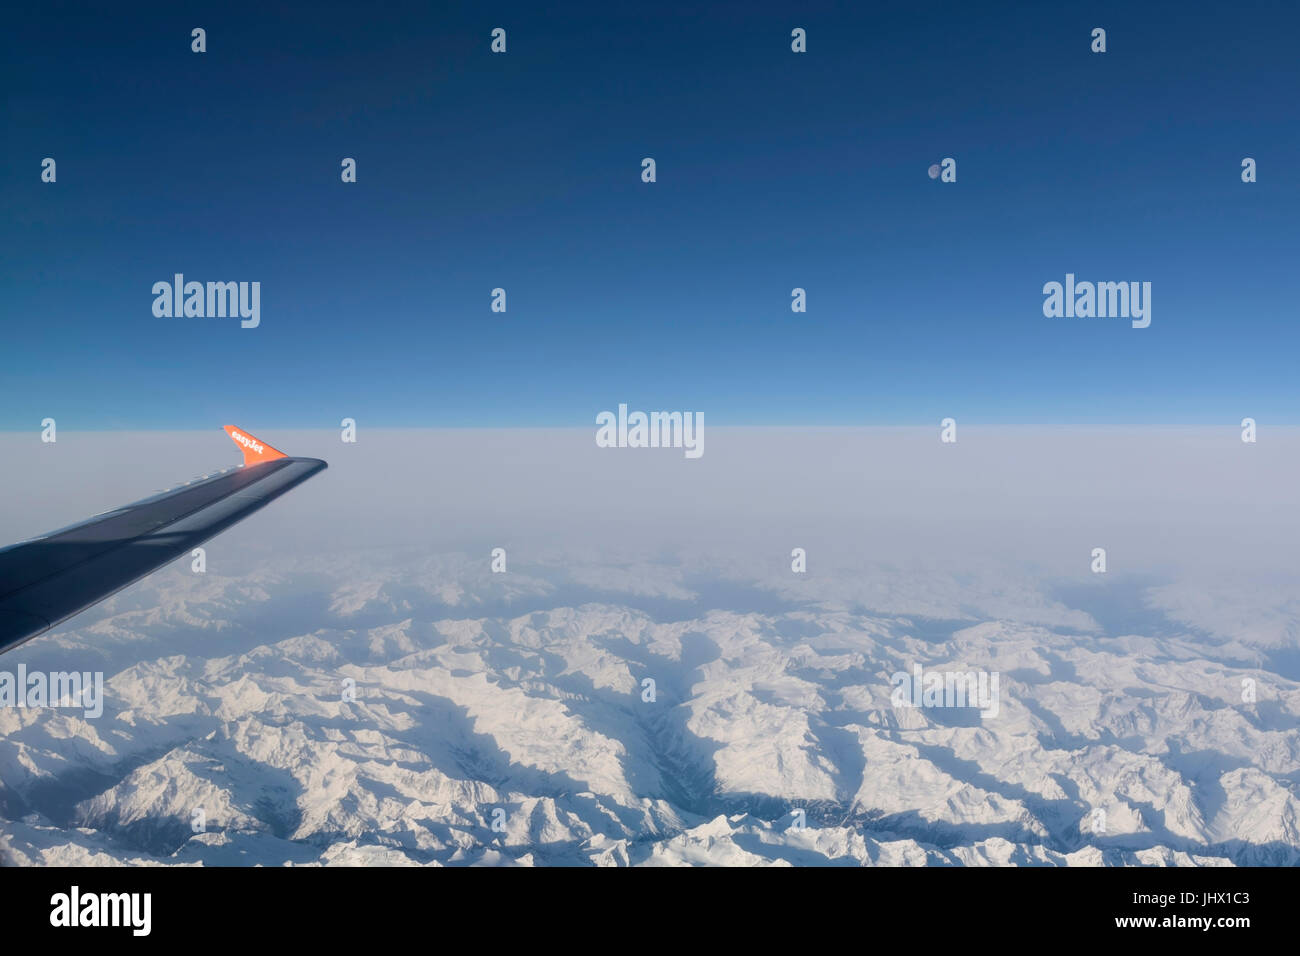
{"x":255,"y":450}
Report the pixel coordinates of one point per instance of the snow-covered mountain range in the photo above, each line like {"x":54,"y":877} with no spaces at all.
{"x":391,"y":702}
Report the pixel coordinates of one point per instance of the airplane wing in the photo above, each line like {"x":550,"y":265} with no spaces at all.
{"x":48,"y":579}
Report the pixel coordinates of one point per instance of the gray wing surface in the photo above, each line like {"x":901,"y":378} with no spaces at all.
{"x":47,"y":580}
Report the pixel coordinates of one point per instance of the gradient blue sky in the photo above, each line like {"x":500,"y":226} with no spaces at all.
{"x":523,"y":171}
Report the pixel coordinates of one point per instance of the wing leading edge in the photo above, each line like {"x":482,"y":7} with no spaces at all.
{"x":48,"y":579}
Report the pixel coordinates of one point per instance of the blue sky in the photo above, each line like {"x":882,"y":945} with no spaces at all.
{"x":522,"y":171}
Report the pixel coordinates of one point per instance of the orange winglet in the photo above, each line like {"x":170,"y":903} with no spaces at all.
{"x":255,"y":450}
